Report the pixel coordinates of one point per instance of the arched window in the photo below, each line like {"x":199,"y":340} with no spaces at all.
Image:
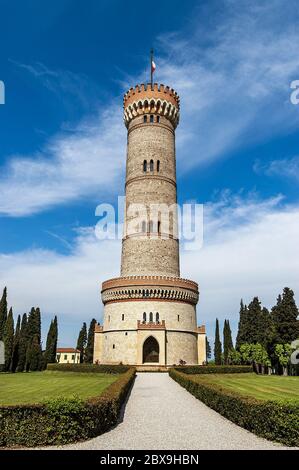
{"x":151,"y":317}
{"x":157,"y":317}
{"x":144,"y":317}
{"x":151,"y":118}
{"x":143,"y":227}
{"x":145,"y":166}
{"x":158,"y":165}
{"x":158,"y":118}
{"x":144,"y":118}
{"x":152,"y":165}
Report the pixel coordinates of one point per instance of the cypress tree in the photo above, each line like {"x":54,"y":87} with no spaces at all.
{"x":90,"y":341}
{"x":51,"y":344}
{"x":81,"y":342}
{"x":242,"y":335}
{"x":22,"y":344}
{"x":34,"y":354}
{"x":3,"y":312}
{"x":284,"y":315}
{"x":255,"y":329}
{"x":30,"y":330}
{"x":217,"y":345}
{"x":52,"y":357}
{"x":208,"y":349}
{"x":16,"y":345}
{"x":227,"y":341}
{"x":8,"y":338}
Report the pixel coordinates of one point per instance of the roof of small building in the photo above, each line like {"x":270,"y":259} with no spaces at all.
{"x":67,"y":350}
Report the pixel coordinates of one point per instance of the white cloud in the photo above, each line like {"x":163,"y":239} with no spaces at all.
{"x":233,"y":75}
{"x":250,"y":249}
{"x":89,"y":162}
{"x":283,"y":168}
{"x":233,"y":72}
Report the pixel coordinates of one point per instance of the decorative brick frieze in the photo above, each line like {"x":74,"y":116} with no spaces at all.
{"x":144,"y":99}
{"x":150,"y":288}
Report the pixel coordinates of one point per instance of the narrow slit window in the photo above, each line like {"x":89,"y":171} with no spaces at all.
{"x":152,"y":165}
{"x":145,"y":166}
{"x":144,"y":317}
{"x":151,"y":118}
{"x":158,"y":165}
{"x":144,"y":118}
{"x":178,"y":318}
{"x":123,"y":316}
{"x":157,"y":317}
{"x":151,"y":317}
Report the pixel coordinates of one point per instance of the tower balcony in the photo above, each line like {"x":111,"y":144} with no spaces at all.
{"x":142,"y":325}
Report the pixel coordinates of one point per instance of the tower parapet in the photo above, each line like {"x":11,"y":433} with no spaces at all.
{"x":156,"y":99}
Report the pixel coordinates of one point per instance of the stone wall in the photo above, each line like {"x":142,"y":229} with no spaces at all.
{"x":121,"y":338}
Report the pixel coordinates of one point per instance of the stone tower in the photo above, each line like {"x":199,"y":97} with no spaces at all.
{"x":150,"y":311}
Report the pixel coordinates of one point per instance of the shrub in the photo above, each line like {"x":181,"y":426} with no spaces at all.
{"x":101,"y":368}
{"x":64,"y":420}
{"x":269,"y":419}
{"x":214,"y":369}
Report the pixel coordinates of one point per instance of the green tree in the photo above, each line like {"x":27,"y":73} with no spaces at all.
{"x":16,"y":345}
{"x":3,"y":312}
{"x":260,"y":357}
{"x":82,"y":341}
{"x":246,"y":353}
{"x":49,"y":355}
{"x":285,"y":318}
{"x":33,"y":338}
{"x":34,"y":354}
{"x":227,"y":341}
{"x":90,"y":341}
{"x":208,"y":349}
{"x":8,"y":338}
{"x":283,"y":353}
{"x":243,"y":327}
{"x":260,"y":324}
{"x":217,"y":345}
{"x":22,"y":344}
{"x":234,"y":357}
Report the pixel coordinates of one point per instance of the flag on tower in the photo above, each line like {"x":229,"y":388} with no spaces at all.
{"x":153,"y":66}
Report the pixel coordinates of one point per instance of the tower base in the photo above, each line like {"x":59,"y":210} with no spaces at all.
{"x":150,"y":321}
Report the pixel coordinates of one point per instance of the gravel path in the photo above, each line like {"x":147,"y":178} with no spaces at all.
{"x":160,"y":414}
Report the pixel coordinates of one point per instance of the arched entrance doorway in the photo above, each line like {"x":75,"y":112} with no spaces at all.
{"x":150,"y":350}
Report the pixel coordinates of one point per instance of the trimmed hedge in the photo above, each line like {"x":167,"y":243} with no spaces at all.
{"x":214,"y":369}
{"x":278,"y":421}
{"x":62,"y":421}
{"x":102,"y":368}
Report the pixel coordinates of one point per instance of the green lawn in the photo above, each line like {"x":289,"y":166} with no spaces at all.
{"x":262,"y":387}
{"x":37,"y":387}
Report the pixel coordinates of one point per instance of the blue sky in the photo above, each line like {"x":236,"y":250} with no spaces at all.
{"x":66,"y":65}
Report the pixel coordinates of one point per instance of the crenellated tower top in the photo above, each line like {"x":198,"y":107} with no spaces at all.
{"x":147,"y":99}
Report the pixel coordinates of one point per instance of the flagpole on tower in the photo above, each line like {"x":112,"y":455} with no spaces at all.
{"x":151,"y":66}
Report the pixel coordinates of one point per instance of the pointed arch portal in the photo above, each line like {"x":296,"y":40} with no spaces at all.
{"x":151,"y":350}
